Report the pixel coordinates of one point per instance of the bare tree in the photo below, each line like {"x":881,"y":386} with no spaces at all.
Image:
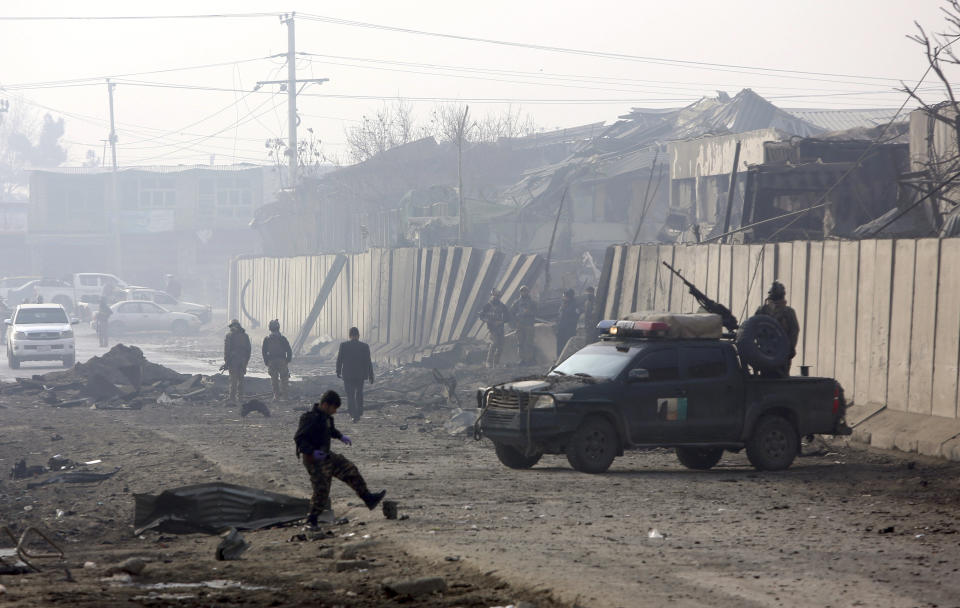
{"x":941,"y":57}
{"x":27,"y":141}
{"x":391,"y":126}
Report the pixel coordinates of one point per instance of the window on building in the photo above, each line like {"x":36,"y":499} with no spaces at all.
{"x":158,"y":192}
{"x":225,"y":197}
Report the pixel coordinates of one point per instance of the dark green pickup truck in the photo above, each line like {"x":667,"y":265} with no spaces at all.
{"x":627,"y":392}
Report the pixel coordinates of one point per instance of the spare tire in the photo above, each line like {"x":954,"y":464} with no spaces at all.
{"x":762,"y":343}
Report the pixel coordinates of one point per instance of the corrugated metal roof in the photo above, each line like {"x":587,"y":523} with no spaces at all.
{"x":842,"y":120}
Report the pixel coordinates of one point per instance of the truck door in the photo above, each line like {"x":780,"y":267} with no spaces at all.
{"x":714,"y":393}
{"x":641,"y":399}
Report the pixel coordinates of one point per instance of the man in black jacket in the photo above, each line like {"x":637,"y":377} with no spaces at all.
{"x":354,"y":366}
{"x":313,"y":443}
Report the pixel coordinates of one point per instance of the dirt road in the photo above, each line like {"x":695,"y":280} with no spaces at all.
{"x":845,"y":528}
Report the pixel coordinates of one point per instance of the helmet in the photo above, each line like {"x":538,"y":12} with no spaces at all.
{"x":235,"y":323}
{"x":274,"y":325}
{"x":569,"y":293}
{"x":494,"y":293}
{"x":524,"y":289}
{"x":777,"y":291}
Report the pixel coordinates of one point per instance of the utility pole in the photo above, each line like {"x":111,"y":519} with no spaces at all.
{"x":114,"y":206}
{"x":292,"y":98}
{"x":291,"y":84}
{"x":463,"y":212}
{"x":730,"y":192}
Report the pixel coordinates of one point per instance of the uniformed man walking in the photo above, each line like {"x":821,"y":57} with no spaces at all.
{"x":236,"y":355}
{"x":103,"y":321}
{"x":276,"y":356}
{"x":313,"y":437}
{"x":354,"y":366}
{"x":494,"y":313}
{"x":567,"y":319}
{"x":776,"y":306}
{"x":524,"y":313}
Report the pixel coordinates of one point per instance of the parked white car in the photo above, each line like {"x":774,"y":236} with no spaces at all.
{"x":40,"y":332}
{"x":8,"y":284}
{"x":202,"y":312}
{"x":141,"y":315}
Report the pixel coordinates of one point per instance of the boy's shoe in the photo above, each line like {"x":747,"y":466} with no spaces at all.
{"x":372,"y":499}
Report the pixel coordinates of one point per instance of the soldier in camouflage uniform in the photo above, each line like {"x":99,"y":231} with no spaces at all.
{"x":236,"y":355}
{"x":313,"y":444}
{"x":524,"y":312}
{"x":495,"y":314}
{"x":276,"y":356}
{"x":776,"y":307}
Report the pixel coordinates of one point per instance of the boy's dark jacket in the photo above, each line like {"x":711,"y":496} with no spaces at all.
{"x":314,"y":432}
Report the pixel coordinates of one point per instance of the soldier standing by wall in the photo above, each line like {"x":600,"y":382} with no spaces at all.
{"x":589,"y":312}
{"x":776,"y":307}
{"x":354,"y":366}
{"x":313,"y":443}
{"x":277,"y":355}
{"x":567,"y":319}
{"x":236,"y":355}
{"x":494,"y":313}
{"x":524,"y":313}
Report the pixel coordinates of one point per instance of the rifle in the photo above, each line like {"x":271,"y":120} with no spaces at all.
{"x":729,"y":321}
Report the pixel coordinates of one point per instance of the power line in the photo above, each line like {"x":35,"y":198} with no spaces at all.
{"x":135,"y":17}
{"x":557,"y":49}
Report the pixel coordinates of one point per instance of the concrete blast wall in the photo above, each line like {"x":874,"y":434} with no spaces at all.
{"x":882,"y":317}
{"x":403,"y":301}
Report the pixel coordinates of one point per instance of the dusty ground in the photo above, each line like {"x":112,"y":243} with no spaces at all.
{"x":846,"y":528}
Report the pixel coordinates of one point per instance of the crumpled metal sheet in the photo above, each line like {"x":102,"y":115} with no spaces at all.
{"x":214,"y":507}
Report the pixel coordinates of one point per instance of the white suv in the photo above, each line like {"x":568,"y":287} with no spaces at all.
{"x":40,"y":332}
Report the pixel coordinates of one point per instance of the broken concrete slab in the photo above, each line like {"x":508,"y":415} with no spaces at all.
{"x":132,"y":565}
{"x":919,"y":433}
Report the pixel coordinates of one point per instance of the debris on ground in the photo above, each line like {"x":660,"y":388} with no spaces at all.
{"x":22,"y":471}
{"x":132,"y":565}
{"x":232,"y":546}
{"x":254,"y":405}
{"x":74,"y":477}
{"x":461,"y":422}
{"x":414,"y":587}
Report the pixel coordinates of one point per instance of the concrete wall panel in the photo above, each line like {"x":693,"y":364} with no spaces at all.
{"x":811,"y":331}
{"x":901,"y":321}
{"x":865,"y":320}
{"x":664,"y":278}
{"x":947,"y":350}
{"x":827,"y":340}
{"x":880,"y":339}
{"x":847,"y":296}
{"x":645,"y":297}
{"x":616,"y":283}
{"x":923,"y":330}
{"x":740,"y":275}
{"x":628,"y":292}
{"x":725,"y":276}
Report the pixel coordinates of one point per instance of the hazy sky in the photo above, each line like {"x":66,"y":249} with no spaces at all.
{"x":831,"y":53}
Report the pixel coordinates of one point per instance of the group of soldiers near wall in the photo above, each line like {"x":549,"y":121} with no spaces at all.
{"x":522,"y":314}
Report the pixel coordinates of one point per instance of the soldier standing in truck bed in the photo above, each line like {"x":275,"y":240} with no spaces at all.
{"x":776,"y":307}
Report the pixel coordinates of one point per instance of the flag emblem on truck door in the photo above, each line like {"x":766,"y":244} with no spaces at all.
{"x":672,"y":409}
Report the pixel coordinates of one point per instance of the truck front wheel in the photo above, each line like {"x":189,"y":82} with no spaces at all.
{"x":593,"y":446}
{"x":699,"y":459}
{"x":515,"y":459}
{"x":773,"y":444}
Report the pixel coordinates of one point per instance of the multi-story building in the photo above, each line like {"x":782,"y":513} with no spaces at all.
{"x":146,"y":222}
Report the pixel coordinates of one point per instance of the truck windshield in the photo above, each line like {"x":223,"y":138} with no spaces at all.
{"x":596,"y":360}
{"x":32,"y":316}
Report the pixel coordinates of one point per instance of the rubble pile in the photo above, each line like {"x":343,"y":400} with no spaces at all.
{"x":121,"y":378}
